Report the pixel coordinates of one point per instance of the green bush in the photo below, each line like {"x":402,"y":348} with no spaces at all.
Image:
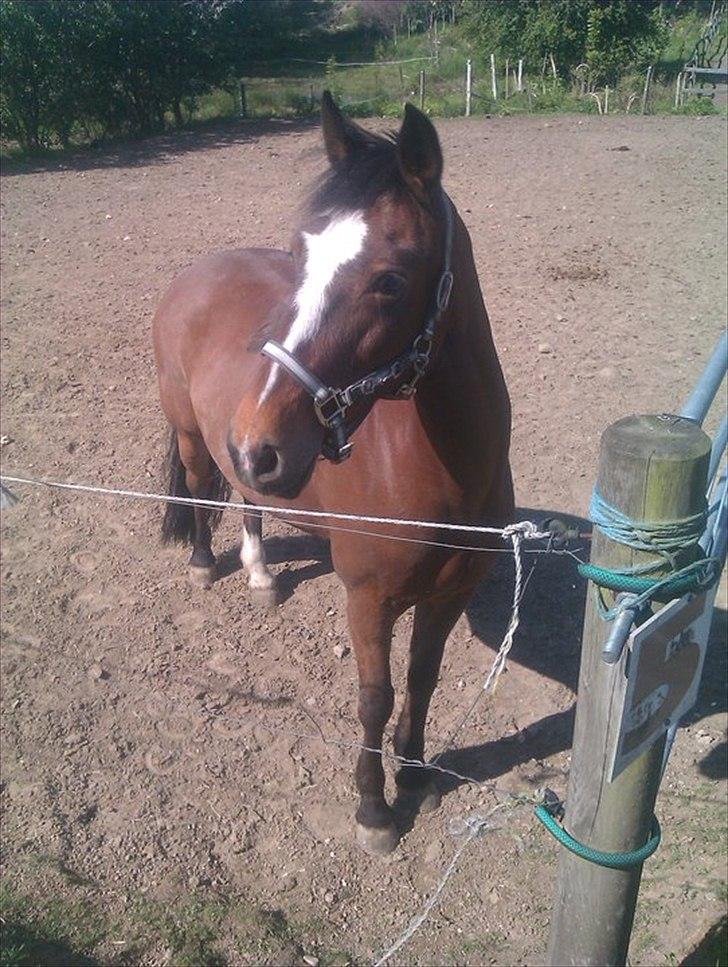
{"x":697,"y":107}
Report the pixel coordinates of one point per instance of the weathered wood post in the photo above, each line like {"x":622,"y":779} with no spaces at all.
{"x":520,"y":74}
{"x":242,"y":101}
{"x":506,"y":79}
{"x":493,"y":81}
{"x":422,"y":90}
{"x":650,"y":468}
{"x":468,"y":86}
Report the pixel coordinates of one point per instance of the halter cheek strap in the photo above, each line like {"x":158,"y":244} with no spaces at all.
{"x":331,"y":404}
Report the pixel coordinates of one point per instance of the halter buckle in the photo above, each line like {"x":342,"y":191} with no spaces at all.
{"x":329,"y":406}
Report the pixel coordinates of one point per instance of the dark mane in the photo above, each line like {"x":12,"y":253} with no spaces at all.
{"x":372,"y":171}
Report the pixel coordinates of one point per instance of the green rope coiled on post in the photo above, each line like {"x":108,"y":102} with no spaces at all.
{"x":613,"y":861}
{"x":698,"y":576}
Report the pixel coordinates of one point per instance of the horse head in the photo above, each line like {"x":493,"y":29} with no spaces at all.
{"x":372,"y":278}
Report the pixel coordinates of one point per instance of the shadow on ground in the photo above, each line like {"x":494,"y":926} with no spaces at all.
{"x":160,"y":149}
{"x":712,"y":951}
{"x":22,"y":947}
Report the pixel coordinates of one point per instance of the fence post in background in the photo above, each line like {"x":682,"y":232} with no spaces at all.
{"x":422,"y":90}
{"x":520,"y":74}
{"x":493,"y":81}
{"x":606,"y":99}
{"x":468,"y":85}
{"x":505,"y":80}
{"x":553,"y":66}
{"x":242,"y":101}
{"x":650,"y":468}
{"x":646,"y":91}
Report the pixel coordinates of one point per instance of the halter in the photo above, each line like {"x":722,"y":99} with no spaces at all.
{"x":331,"y":404}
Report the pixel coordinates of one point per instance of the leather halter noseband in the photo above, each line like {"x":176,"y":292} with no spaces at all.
{"x":331,"y":404}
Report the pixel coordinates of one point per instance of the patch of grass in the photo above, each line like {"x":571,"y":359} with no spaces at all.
{"x":59,"y":932}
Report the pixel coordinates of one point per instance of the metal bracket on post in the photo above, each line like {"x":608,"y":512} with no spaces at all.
{"x":620,"y":629}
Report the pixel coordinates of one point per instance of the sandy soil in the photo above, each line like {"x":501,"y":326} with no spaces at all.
{"x":142,"y":751}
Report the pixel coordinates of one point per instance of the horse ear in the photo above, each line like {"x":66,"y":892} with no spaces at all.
{"x":342,"y":137}
{"x":419,"y":152}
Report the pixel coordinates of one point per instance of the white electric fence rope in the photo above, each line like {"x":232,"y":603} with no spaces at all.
{"x":529,"y":530}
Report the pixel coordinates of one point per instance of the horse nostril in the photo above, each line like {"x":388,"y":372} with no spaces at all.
{"x":265,"y":461}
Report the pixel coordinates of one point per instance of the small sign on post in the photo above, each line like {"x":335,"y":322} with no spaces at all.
{"x":664,"y":665}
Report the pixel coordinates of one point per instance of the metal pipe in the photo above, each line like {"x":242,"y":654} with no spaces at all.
{"x":715,"y":538}
{"x":708,"y":385}
{"x":716,"y":454}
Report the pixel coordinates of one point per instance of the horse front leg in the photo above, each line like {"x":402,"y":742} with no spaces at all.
{"x":261,"y":581}
{"x":371,"y":622}
{"x":434,"y":620}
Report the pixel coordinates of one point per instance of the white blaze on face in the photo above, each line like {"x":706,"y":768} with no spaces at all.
{"x":339,"y":243}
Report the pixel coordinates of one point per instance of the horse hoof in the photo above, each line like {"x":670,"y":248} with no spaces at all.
{"x":375,"y":840}
{"x":265,"y":597}
{"x":202,"y":577}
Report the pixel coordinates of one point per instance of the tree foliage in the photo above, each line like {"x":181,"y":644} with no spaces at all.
{"x":610,"y":36}
{"x":108,"y":67}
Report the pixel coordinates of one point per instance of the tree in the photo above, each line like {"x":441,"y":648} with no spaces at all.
{"x":123,"y":66}
{"x":612,"y":36}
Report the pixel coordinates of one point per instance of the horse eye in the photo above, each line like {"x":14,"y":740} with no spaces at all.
{"x":389,"y":284}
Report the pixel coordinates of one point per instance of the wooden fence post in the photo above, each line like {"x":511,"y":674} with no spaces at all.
{"x":520,"y":74}
{"x":646,"y":91}
{"x":243,"y":103}
{"x":650,"y":468}
{"x":468,"y":85}
{"x":493,"y":81}
{"x":422,"y":90}
{"x":505,"y":80}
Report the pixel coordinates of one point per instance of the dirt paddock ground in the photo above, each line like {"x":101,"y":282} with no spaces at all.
{"x":145,"y":789}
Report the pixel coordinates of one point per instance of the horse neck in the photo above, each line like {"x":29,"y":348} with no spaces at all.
{"x":463,"y":402}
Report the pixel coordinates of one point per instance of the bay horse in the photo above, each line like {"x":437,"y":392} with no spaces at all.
{"x":379,"y":295}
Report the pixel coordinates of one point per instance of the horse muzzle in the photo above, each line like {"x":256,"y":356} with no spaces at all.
{"x":262,"y":466}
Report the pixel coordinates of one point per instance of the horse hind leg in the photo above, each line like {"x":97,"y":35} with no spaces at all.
{"x":193,"y":473}
{"x":262,"y":583}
